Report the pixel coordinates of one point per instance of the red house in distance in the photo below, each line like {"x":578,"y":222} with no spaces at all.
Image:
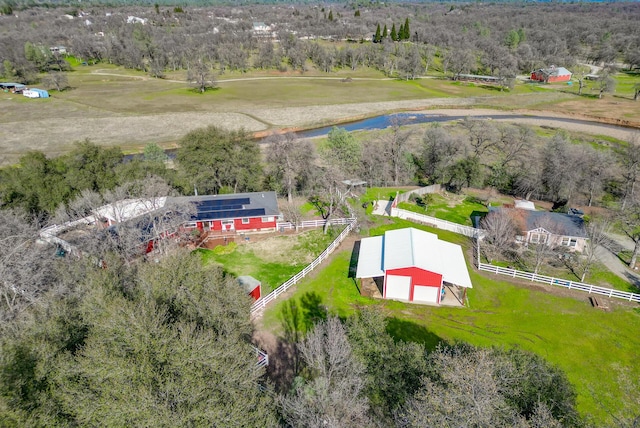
{"x":552,"y":74}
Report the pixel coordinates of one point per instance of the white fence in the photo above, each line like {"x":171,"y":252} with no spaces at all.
{"x":312,"y":223}
{"x":591,"y":289}
{"x":469,"y":231}
{"x":263,"y":357}
{"x":258,"y":306}
{"x":404,"y":197}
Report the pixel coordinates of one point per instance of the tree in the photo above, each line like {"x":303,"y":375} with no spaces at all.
{"x":460,"y":60}
{"x":393,"y":368}
{"x":200,"y":77}
{"x":289,"y":160}
{"x":629,"y":220}
{"x":500,"y":233}
{"x":154,"y":153}
{"x":394,"y":35}
{"x":495,"y":388}
{"x":411,"y":63}
{"x":173,"y":334}
{"x":558,"y":181}
{"x":330,"y":15}
{"x":597,"y":230}
{"x":57,"y":81}
{"x":606,"y":83}
{"x":377,"y":38}
{"x":27,"y":269}
{"x":396,"y":150}
{"x":385,"y":32}
{"x":342,"y":151}
{"x":629,"y":158}
{"x":407,"y":32}
{"x":542,"y":246}
{"x":440,"y":149}
{"x":214,"y":160}
{"x":331,"y":394}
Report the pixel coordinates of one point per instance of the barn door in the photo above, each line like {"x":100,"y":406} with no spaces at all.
{"x":398,"y":287}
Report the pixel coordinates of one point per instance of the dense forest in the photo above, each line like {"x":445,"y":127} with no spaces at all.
{"x":495,"y":39}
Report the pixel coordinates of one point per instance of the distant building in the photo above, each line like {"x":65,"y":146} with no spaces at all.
{"x":58,"y":50}
{"x":12,"y":87}
{"x":35,"y":93}
{"x":551,"y":75}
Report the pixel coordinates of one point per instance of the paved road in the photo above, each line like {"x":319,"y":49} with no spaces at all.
{"x":614,"y":264}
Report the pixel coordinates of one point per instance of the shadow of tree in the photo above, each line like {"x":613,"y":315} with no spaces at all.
{"x":313,"y":311}
{"x":409,"y":331}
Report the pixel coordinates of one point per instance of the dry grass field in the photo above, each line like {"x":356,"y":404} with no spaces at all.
{"x":117,"y":107}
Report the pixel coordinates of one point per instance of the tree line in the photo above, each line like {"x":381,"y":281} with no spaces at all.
{"x":497,"y":39}
{"x":470,"y":153}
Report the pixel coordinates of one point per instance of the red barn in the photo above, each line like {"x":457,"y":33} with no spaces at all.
{"x":251,"y":285}
{"x":415,"y":265}
{"x":240,"y":212}
{"x":551,"y":75}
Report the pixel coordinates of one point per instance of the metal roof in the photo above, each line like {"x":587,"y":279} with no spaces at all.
{"x":556,"y":223}
{"x":411,"y":247}
{"x":237,"y":205}
{"x":248,"y":283}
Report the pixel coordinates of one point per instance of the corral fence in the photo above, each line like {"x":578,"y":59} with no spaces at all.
{"x":571,"y":285}
{"x":285,"y":225}
{"x":404,"y":197}
{"x":258,"y":307}
{"x":461,"y":229}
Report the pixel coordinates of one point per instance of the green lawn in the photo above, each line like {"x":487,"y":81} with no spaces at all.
{"x":457,"y":210}
{"x":585,"y":342}
{"x":274,"y":263}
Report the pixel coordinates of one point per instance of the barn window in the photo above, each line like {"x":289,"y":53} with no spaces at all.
{"x":267,"y":219}
{"x":191,"y":224}
{"x":245,"y":220}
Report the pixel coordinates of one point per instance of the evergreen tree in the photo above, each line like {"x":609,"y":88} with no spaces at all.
{"x":377,"y":38}
{"x":407,"y":32}
{"x":330,"y":15}
{"x":394,"y":34}
{"x":401,"y":33}
{"x":357,"y":13}
{"x":385,"y":32}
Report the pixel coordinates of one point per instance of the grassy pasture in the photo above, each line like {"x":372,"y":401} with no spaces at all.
{"x":586,"y":343}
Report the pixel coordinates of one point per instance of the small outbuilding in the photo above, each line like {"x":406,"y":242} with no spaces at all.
{"x":414,"y":266}
{"x":35,"y":93}
{"x":552,"y":74}
{"x":251,"y":285}
{"x":12,"y":87}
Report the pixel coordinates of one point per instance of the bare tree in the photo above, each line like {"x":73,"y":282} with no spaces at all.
{"x":606,"y":83}
{"x":630,"y":160}
{"x":543,"y":246}
{"x":289,"y":159}
{"x":629,"y":221}
{"x":200,"y":76}
{"x":597,"y":229}
{"x":56,"y":80}
{"x":332,"y":394}
{"x":395,"y":142}
{"x":26,"y":265}
{"x":482,"y":135}
{"x":500,"y":233}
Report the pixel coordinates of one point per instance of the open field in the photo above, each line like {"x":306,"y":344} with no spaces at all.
{"x":561,"y":326}
{"x":114,"y":106}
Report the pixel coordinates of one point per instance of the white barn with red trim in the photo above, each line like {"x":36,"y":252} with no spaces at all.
{"x":415,"y":265}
